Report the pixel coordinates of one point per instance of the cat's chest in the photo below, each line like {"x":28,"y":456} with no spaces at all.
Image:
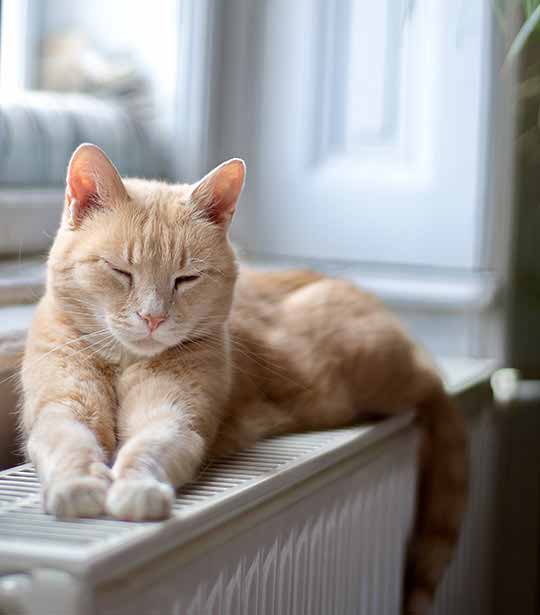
{"x":126,"y":360}
{"x":119,"y":364}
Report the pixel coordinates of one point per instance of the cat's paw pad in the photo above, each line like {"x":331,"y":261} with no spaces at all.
{"x":83,"y":496}
{"x":140,"y":500}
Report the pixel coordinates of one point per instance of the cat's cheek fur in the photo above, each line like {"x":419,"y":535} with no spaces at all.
{"x":95,"y":284}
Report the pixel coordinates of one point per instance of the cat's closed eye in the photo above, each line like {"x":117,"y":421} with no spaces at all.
{"x":185,"y":279}
{"x":120,"y":273}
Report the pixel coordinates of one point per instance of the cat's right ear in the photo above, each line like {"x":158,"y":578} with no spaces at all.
{"x":217,"y":193}
{"x":92,"y":182}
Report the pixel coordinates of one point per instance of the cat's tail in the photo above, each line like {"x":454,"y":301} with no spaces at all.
{"x":442,"y":495}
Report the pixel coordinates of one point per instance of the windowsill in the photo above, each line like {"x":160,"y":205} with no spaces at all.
{"x":29,"y":218}
{"x":21,"y":285}
{"x":21,"y":281}
{"x":15,"y":320}
{"x":403,"y":286}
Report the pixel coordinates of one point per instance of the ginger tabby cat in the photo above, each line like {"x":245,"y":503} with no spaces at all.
{"x":150,"y":350}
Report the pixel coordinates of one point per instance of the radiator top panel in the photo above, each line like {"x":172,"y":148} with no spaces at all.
{"x":91,"y":548}
{"x":224,"y":487}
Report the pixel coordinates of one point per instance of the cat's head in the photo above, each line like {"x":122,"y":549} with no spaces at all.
{"x":146,"y":261}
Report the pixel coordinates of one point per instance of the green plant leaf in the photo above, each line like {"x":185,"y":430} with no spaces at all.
{"x":529,"y":6}
{"x":526,"y":30}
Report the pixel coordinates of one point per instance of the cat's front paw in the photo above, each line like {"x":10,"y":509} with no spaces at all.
{"x":140,"y":499}
{"x":81,"y":496}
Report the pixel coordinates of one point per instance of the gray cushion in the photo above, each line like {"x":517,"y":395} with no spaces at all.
{"x":40,"y":130}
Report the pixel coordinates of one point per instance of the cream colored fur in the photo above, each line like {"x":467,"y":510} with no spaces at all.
{"x":238,"y":356}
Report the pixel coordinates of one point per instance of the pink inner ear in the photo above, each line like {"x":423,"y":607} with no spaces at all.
{"x":223,"y":203}
{"x":82,"y":187}
{"x":218,"y":192}
{"x":92,"y":181}
{"x":81,"y":195}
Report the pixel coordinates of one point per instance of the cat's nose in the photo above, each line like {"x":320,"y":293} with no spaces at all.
{"x":152,"y":320}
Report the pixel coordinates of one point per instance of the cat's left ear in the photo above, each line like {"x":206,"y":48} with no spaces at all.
{"x":217,"y":193}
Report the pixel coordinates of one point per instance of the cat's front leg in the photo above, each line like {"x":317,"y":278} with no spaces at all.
{"x":165,"y":431}
{"x":68,"y":424}
{"x":70,"y":462}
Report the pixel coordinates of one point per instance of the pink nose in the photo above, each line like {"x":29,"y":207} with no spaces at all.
{"x":153,"y":320}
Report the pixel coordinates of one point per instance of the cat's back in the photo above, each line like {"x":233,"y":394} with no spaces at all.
{"x":259,"y":294}
{"x":290,"y":318}
{"x":273,"y":286}
{"x":285,"y":316}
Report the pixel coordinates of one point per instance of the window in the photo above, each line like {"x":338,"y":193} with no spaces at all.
{"x":366,"y":127}
{"x":368,"y":130}
{"x":365,"y":134}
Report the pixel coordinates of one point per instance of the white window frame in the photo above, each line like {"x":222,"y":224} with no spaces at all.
{"x":28,"y":216}
{"x":18,"y":45}
{"x":445,"y":302}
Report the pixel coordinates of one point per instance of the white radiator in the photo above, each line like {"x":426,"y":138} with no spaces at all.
{"x":304,"y":524}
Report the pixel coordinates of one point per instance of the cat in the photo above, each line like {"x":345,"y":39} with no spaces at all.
{"x":152,"y":349}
